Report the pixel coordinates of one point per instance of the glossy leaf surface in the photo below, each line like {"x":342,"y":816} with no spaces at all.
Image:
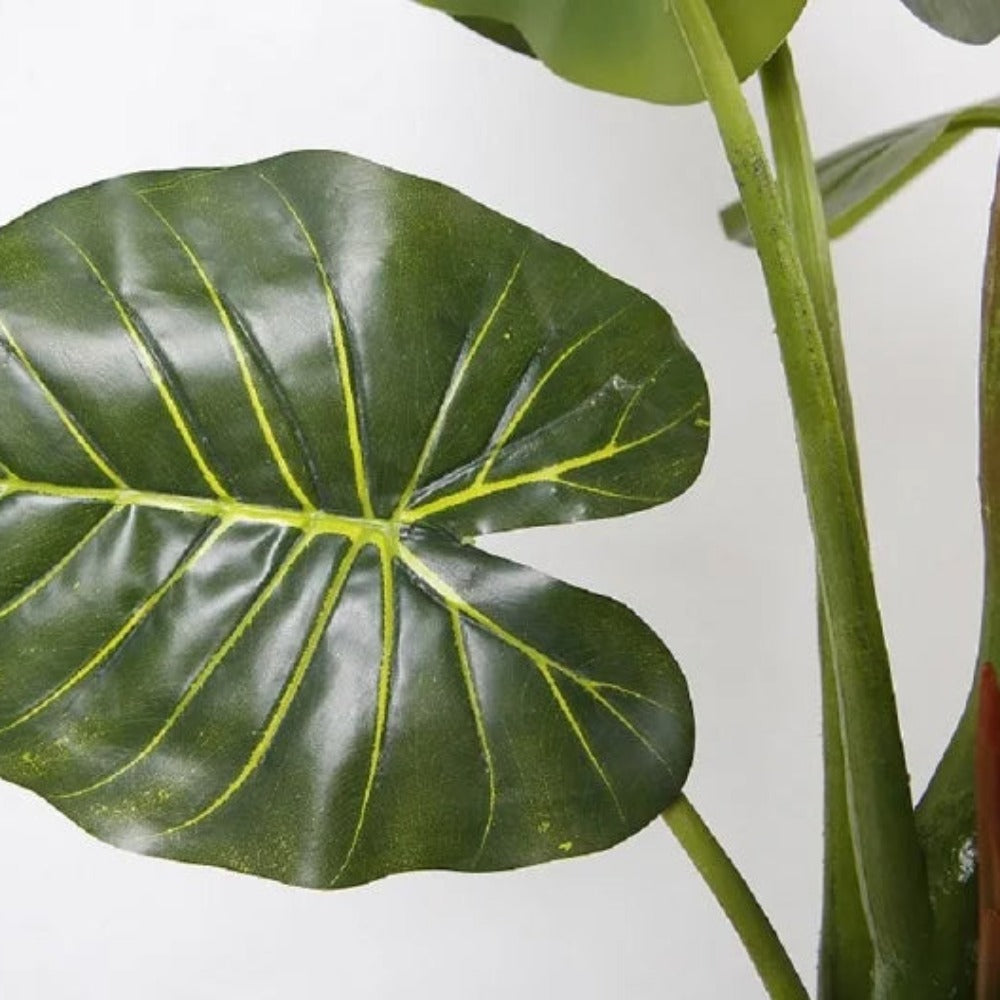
{"x":246,"y":418}
{"x":857,"y":180}
{"x":630,"y":47}
{"x":973,"y":21}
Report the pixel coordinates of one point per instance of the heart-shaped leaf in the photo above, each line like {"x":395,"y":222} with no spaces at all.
{"x":629,"y":47}
{"x":246,"y":417}
{"x":856,"y":181}
{"x":973,"y":21}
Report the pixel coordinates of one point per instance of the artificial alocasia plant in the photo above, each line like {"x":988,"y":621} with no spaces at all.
{"x":253,"y":419}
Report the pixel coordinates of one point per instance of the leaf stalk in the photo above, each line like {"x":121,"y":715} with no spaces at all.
{"x":845,"y":960}
{"x":889,"y":860}
{"x":737,"y":901}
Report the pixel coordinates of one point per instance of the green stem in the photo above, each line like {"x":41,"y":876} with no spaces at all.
{"x":845,"y":957}
{"x":737,"y":901}
{"x":803,"y":200}
{"x":883,"y":831}
{"x":845,"y":967}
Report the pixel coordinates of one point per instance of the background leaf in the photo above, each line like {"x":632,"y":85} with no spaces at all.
{"x":856,"y":181}
{"x":246,"y":416}
{"x":630,"y":47}
{"x":974,"y":21}
{"x":497,"y":31}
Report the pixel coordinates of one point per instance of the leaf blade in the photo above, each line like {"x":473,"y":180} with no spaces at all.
{"x":632,"y":48}
{"x":857,"y":180}
{"x":976,"y":22}
{"x":249,"y":646}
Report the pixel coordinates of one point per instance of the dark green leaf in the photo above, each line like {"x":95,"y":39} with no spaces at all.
{"x":496,"y":31}
{"x":631,"y":47}
{"x":974,"y":21}
{"x":246,"y":418}
{"x":857,"y":180}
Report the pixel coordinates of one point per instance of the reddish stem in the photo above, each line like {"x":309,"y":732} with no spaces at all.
{"x":988,"y":834}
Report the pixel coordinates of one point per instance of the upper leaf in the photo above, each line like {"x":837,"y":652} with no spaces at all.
{"x":629,"y":47}
{"x":856,"y":181}
{"x":246,"y":418}
{"x":973,"y":21}
{"x":497,"y":31}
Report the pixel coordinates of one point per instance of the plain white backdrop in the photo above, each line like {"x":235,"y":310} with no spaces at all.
{"x":724,"y":574}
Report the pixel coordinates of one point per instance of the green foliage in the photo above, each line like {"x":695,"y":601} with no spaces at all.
{"x":973,"y":21}
{"x":496,"y":31}
{"x":247,"y":417}
{"x":946,"y":819}
{"x":629,"y":47}
{"x":857,"y":180}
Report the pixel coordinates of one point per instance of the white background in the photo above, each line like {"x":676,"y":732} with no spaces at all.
{"x":89,"y":90}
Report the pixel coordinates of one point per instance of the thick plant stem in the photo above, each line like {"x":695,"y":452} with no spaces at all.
{"x":738,"y":902}
{"x":988,"y":738}
{"x":883,"y":831}
{"x":803,"y":201}
{"x":845,"y":956}
{"x":845,"y":960}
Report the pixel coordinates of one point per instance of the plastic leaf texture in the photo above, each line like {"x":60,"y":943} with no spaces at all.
{"x":249,"y":419}
{"x":629,"y":47}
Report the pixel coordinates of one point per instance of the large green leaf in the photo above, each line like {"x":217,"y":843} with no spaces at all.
{"x":856,"y":181}
{"x":974,"y":21}
{"x":246,"y":419}
{"x":629,"y":47}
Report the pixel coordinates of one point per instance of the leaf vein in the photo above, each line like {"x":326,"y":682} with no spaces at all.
{"x":201,"y":544}
{"x":463,"y":361}
{"x":278,"y":391}
{"x":43,"y":581}
{"x":382,"y":702}
{"x":154,"y":371}
{"x":480,"y":723}
{"x":288,"y":693}
{"x":341,"y":351}
{"x":593,"y":689}
{"x":542,"y":663}
{"x":68,"y":420}
{"x":510,"y":423}
{"x":259,"y":601}
{"x":315,"y":522}
{"x":551,"y":473}
{"x":242,"y":363}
